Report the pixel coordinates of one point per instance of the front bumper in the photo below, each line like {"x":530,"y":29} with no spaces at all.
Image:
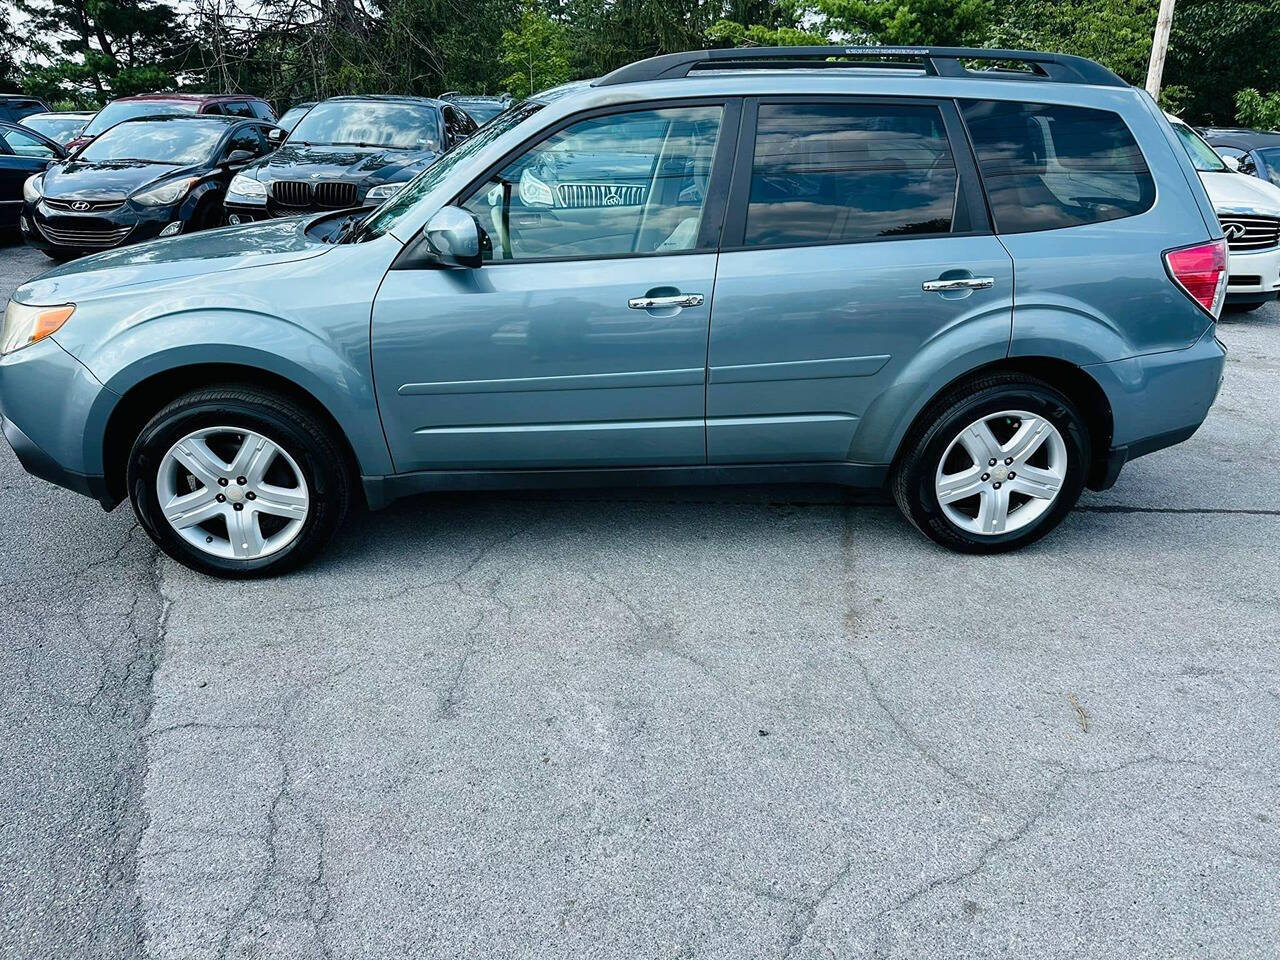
{"x":1253,"y":276}
{"x":51,"y":408}
{"x":65,"y":232}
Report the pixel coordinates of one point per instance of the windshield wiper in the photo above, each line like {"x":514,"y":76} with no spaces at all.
{"x":349,"y":231}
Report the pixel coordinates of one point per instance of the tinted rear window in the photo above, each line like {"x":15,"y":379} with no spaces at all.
{"x":119,"y":110}
{"x":830,"y":173}
{"x":1047,"y":166}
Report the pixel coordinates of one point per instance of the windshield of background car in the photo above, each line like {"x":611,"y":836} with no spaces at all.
{"x":1270,"y":156}
{"x":383,"y":218}
{"x":1203,"y":157}
{"x":58,"y":129}
{"x":113,"y":113}
{"x":179,"y":142}
{"x":369,"y":123}
{"x":482,"y":112}
{"x":291,"y":117}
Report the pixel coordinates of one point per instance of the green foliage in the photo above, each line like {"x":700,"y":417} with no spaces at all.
{"x":90,"y":51}
{"x":537,"y":52}
{"x":1175,"y":99}
{"x":1255,"y":110}
{"x":727,"y":33}
{"x":909,"y":22}
{"x":1116,"y":33}
{"x":1221,"y":46}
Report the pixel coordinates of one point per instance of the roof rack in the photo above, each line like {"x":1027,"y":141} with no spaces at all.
{"x":935,"y":61}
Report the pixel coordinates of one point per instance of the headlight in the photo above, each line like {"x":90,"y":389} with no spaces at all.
{"x":384,"y":191}
{"x":32,"y":188}
{"x":166,"y":193}
{"x":247,"y":188}
{"x":24,"y":325}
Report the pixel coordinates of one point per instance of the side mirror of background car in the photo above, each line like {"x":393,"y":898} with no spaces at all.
{"x":238,"y":158}
{"x":276,"y":135}
{"x":451,"y":239}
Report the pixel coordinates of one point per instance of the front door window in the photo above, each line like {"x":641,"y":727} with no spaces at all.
{"x":627,"y":184}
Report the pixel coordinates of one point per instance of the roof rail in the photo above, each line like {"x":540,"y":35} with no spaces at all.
{"x":935,"y":61}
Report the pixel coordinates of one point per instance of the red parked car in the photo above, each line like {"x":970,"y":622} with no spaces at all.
{"x":162,"y":104}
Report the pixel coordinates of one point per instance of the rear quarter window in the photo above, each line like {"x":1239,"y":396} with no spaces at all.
{"x":1047,"y":166}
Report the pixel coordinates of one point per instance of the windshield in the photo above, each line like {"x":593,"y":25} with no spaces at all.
{"x":1270,"y":157}
{"x":369,"y":123}
{"x":113,"y":113}
{"x":58,"y":129}
{"x":482,"y":111}
{"x":292,"y":116}
{"x":1203,"y":157}
{"x":384,"y":217}
{"x":178,"y":142}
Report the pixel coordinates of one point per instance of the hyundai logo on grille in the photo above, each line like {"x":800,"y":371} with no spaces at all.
{"x":1234,"y":231}
{"x":79,"y":205}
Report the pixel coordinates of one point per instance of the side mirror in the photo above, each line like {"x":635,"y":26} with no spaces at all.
{"x":276,"y":135}
{"x":451,"y":238}
{"x":238,"y":158}
{"x":1232,"y":163}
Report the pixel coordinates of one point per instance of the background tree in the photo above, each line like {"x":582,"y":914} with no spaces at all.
{"x":94,"y":50}
{"x":538,"y":52}
{"x":908,"y":22}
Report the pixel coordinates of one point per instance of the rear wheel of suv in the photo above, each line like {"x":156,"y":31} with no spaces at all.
{"x":994,"y":465}
{"x":238,"y":482}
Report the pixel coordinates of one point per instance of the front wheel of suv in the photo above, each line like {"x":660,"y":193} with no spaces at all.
{"x":994,"y":465}
{"x":238,"y":482}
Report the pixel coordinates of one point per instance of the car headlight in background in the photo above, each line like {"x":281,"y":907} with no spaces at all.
{"x":32,"y":188}
{"x":166,"y":193}
{"x":247,"y":189}
{"x":384,"y":191}
{"x":24,"y":325}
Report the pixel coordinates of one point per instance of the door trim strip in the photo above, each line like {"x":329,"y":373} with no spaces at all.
{"x":800,"y":369}
{"x":688,"y":377}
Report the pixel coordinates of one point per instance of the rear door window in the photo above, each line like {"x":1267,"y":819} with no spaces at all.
{"x":843,"y":172}
{"x":1047,"y":166}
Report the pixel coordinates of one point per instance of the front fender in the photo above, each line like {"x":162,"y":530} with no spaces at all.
{"x":335,"y":373}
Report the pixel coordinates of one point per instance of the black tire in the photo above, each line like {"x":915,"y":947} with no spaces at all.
{"x":300,"y":432}
{"x":1244,"y":307}
{"x":912,"y":480}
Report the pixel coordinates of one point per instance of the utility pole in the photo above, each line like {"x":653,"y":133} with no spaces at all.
{"x":1159,"y":46}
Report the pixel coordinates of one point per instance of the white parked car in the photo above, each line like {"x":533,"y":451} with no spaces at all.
{"x":1249,"y":210}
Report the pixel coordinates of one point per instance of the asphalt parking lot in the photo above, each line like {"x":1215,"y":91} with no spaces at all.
{"x":716,"y":723}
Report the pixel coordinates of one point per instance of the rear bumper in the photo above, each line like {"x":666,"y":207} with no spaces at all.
{"x":1157,"y":400}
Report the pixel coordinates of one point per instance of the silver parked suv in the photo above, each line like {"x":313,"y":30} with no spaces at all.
{"x":985,"y":289}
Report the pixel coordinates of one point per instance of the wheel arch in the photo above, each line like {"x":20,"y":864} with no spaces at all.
{"x":145,"y":397}
{"x":1072,"y":380}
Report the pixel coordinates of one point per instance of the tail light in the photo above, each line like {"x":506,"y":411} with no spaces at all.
{"x":1201,"y":272}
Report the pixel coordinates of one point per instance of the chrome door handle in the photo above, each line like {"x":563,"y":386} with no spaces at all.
{"x":958,"y":283}
{"x":658,"y":303}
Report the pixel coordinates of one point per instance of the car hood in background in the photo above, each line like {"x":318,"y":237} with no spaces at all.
{"x":90,"y":180}
{"x":1241,"y":193}
{"x":352,"y":164}
{"x":199,"y":254}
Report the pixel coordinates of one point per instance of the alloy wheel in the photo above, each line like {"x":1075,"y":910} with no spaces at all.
{"x":232,"y":493}
{"x":1001,"y":473}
